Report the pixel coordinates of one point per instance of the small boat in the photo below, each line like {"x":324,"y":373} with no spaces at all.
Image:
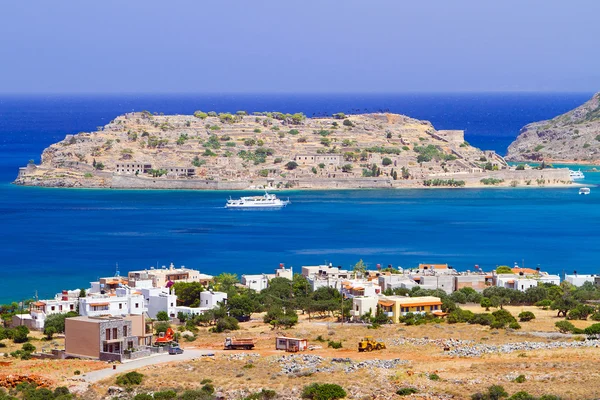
{"x":584,"y":190}
{"x":576,"y":175}
{"x":265,"y":201}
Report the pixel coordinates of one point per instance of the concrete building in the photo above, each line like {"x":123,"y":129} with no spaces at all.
{"x":360,"y":288}
{"x":107,"y":285}
{"x":478,"y":282}
{"x":260,"y":282}
{"x":210,"y":299}
{"x":363,"y":305}
{"x":161,"y":276}
{"x":516,"y":282}
{"x":39,"y":310}
{"x":395,"y":306}
{"x":579,"y":280}
{"x":122,"y":301}
{"x":107,"y":338}
{"x":443,"y":282}
{"x":394,"y":281}
{"x":160,"y":299}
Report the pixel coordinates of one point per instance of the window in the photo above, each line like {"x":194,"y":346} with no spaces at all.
{"x":71,"y":306}
{"x":52,"y":308}
{"x":107,"y":334}
{"x":120,"y":306}
{"x":137,"y":305}
{"x":171,"y":304}
{"x":125,"y":331}
{"x":115,"y":333}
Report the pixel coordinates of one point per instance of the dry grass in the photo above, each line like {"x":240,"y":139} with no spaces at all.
{"x":569,"y":373}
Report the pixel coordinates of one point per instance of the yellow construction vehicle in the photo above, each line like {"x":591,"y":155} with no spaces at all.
{"x":370,"y":344}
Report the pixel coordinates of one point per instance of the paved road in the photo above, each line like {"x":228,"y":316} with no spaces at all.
{"x":100,"y":374}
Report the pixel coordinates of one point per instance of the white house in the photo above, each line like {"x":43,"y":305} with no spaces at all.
{"x":39,"y":310}
{"x":210,"y":299}
{"x":123,"y":301}
{"x":363,"y":305}
{"x":255,"y":282}
{"x":579,"y":280}
{"x":160,"y":299}
{"x":359,"y":288}
{"x":517,"y":282}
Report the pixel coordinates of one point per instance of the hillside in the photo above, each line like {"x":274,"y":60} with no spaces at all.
{"x":274,"y":150}
{"x":573,"y":136}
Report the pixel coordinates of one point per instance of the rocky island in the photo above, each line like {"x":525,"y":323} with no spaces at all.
{"x":273,"y":150}
{"x":570,"y":137}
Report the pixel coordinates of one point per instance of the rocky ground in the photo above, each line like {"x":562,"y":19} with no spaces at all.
{"x":572,"y":137}
{"x":269,"y":149}
{"x":465,"y":358}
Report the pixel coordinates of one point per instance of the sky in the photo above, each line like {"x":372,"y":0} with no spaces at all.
{"x":289,"y":46}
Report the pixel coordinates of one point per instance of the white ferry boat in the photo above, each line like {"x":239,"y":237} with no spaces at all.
{"x":575,"y":175}
{"x":265,"y":201}
{"x":584,"y":190}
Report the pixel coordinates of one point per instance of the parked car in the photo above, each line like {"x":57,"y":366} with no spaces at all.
{"x":175,"y":349}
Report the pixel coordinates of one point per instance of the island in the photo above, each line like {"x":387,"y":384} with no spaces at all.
{"x":573,"y":137}
{"x":272,"y":150}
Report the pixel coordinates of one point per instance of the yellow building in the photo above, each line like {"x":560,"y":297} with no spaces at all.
{"x":395,"y":306}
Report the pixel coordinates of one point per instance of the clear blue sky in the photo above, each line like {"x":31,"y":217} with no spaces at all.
{"x":298,"y":46}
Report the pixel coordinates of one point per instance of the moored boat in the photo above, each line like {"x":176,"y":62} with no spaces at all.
{"x":584,"y":190}
{"x":576,"y":175}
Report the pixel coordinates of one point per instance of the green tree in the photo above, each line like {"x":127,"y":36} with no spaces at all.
{"x":486,"y":303}
{"x":386,"y":161}
{"x":504,"y":269}
{"x":57,"y":321}
{"x":162,"y":316}
{"x":188,"y":293}
{"x":19,"y":334}
{"x":360,"y":267}
{"x":291,"y":165}
{"x":241,"y":306}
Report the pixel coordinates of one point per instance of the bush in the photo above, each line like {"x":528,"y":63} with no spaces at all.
{"x":165,"y":395}
{"x":482,"y":319}
{"x":291,"y":165}
{"x":162,"y":316}
{"x":522,"y":396}
{"x":514,"y":325}
{"x":334,"y":345}
{"x":406,"y":391}
{"x":595,"y":316}
{"x":130,"y":378}
{"x":564,"y":326}
{"x":592,"y":329}
{"x":143,"y":396}
{"x":347,"y":122}
{"x":323,"y":391}
{"x":460,"y":316}
{"x":386,"y":161}
{"x":544,"y":304}
{"x":28,"y":347}
{"x":495,"y":392}
{"x":226,"y":324}
{"x":520,"y":379}
{"x":526,"y":316}
{"x":20,"y":333}
{"x":264,"y":394}
{"x":77,"y":372}
{"x":434,"y":377}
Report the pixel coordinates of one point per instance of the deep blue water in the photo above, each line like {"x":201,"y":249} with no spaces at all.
{"x":62,"y":238}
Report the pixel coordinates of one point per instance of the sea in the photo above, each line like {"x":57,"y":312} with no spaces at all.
{"x":55,"y":239}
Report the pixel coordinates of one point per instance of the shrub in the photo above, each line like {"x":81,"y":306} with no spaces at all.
{"x":347,"y":122}
{"x":20,"y":334}
{"x":162,"y":316}
{"x":77,"y":372}
{"x":522,"y":396}
{"x":165,"y":395}
{"x":226,"y":324}
{"x":61,"y":391}
{"x":143,"y":396}
{"x":520,"y":379}
{"x":595,"y":316}
{"x":434,"y":377}
{"x":406,"y":391}
{"x":482,"y":319}
{"x":544,"y":304}
{"x":526,"y":316}
{"x":323,"y":391}
{"x":592,"y":329}
{"x":386,"y":161}
{"x":504,"y":317}
{"x":564,"y":326}
{"x":514,"y":325}
{"x":264,"y":394}
{"x":28,"y":347}
{"x":334,"y":345}
{"x":130,"y":378}
{"x":460,"y":316}
{"x":291,"y":165}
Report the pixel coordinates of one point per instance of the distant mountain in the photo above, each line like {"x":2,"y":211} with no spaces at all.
{"x":573,"y":136}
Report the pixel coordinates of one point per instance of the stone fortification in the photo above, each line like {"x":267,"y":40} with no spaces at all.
{"x":270,"y":150}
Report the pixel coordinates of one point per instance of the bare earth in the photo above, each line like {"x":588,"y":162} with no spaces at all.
{"x":418,"y":351}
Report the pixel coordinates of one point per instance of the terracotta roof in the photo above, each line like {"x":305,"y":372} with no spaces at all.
{"x":440,"y":313}
{"x":386,"y":303}
{"x":425,"y":303}
{"x":434,"y":266}
{"x":39,"y":303}
{"x":516,"y":270}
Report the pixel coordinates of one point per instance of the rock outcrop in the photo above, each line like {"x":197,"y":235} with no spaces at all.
{"x":573,"y":136}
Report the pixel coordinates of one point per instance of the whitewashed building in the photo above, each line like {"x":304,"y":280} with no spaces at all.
{"x":123,"y":301}
{"x":160,"y":299}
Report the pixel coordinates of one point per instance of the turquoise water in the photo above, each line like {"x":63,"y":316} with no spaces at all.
{"x":54,"y":239}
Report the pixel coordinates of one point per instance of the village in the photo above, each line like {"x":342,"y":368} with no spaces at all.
{"x":184,"y":315}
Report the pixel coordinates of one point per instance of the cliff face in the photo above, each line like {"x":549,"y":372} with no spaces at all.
{"x":573,"y":136}
{"x":239,"y":151}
